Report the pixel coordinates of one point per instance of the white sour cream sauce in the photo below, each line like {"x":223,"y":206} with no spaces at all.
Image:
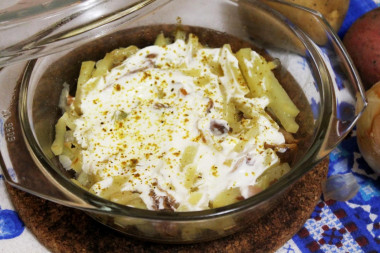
{"x":139,"y":118}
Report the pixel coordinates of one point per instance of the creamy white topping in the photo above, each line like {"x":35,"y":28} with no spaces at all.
{"x":139,"y":119}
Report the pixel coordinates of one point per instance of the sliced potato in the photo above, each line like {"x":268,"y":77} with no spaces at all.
{"x":60,"y":130}
{"x":233,"y":80}
{"x":193,"y":45}
{"x":180,"y":35}
{"x":84,"y":75}
{"x":232,"y":117}
{"x":117,"y":182}
{"x":262,"y":82}
{"x":124,"y":197}
{"x":250,"y":67}
{"x":120,"y":54}
{"x":227,"y":197}
{"x":103,"y":65}
{"x":272,"y":174}
{"x":190,"y":176}
{"x":161,"y":40}
{"x":250,"y":134}
{"x":188,"y":156}
{"x":195,"y":197}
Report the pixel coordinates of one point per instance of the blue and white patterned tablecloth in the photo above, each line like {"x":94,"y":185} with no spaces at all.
{"x":351,"y":226}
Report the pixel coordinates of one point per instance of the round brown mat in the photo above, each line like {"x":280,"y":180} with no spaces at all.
{"x":63,"y":229}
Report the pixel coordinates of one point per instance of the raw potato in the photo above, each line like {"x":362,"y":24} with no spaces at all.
{"x":266,"y":29}
{"x":362,"y":42}
{"x":368,"y":129}
{"x":334,"y":12}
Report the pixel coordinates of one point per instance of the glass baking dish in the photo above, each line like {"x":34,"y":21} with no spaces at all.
{"x":315,"y":70}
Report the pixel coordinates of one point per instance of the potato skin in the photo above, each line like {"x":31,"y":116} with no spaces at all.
{"x":362,"y":42}
{"x":333,"y":10}
{"x":368,"y":129}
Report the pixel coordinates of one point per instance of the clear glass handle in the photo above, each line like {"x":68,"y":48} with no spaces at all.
{"x":16,"y":161}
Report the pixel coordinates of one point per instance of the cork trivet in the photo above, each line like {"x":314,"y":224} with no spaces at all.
{"x":63,"y":229}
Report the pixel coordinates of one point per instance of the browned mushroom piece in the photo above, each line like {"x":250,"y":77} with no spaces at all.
{"x":210,"y":105}
{"x":289,"y":138}
{"x":289,"y":153}
{"x":160,"y":105}
{"x":183,"y":91}
{"x":219,"y":127}
{"x":168,"y":201}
